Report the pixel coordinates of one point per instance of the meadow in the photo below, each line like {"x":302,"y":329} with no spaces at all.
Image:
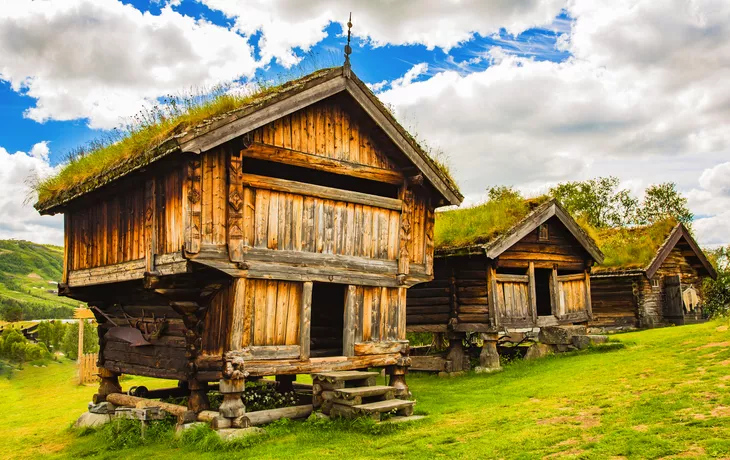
{"x":663,"y":395}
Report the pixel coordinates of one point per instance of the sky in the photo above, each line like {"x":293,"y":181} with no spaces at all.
{"x":525,"y":93}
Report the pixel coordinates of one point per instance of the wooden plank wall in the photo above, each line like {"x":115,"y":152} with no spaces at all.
{"x":614,"y":301}
{"x":332,"y":128}
{"x":513,"y":301}
{"x":300,"y":223}
{"x":561,"y":248}
{"x":111,"y":229}
{"x":378,"y":311}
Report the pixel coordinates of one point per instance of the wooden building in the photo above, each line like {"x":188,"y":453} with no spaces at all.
{"x":534,"y":274}
{"x":276,"y":239}
{"x":632,"y":293}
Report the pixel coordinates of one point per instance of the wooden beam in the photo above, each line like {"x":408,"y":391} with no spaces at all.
{"x":125,"y":271}
{"x":589,"y":306}
{"x":268,"y":152}
{"x":492,"y":295}
{"x":319,"y":191}
{"x":266,"y":352}
{"x":378,"y":348}
{"x":555,"y":292}
{"x":305,"y":320}
{"x":512,"y":278}
{"x":150,"y":225}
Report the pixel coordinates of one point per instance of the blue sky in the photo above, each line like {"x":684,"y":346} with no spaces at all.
{"x":526,"y":93}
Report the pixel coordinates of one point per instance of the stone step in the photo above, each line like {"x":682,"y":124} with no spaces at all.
{"x":365,"y":392}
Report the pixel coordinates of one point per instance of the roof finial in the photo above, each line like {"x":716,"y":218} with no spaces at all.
{"x":348,"y":48}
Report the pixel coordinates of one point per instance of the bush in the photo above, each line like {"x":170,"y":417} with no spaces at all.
{"x":16,"y":348}
{"x":716,"y":293}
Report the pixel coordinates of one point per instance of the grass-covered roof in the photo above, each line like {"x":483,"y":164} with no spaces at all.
{"x":162,"y":131}
{"x":481,"y":224}
{"x":631,"y":248}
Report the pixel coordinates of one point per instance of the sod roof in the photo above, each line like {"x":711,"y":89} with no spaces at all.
{"x":628,"y":249}
{"x":141,"y":147}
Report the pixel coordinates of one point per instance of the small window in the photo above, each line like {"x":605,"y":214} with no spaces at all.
{"x":543,"y":234}
{"x":655,"y":284}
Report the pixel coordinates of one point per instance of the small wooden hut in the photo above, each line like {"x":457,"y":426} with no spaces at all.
{"x":534,"y":274}
{"x":276,"y":239}
{"x":656,"y":281}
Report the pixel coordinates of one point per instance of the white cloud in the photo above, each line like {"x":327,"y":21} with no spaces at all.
{"x":642,"y":97}
{"x":19,"y":219}
{"x":287,"y":24}
{"x":103,"y":60}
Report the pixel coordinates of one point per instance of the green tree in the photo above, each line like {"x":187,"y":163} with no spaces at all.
{"x":503,"y":192}
{"x":716,"y":293}
{"x":662,"y":201}
{"x":599,"y":201}
{"x":70,"y":345}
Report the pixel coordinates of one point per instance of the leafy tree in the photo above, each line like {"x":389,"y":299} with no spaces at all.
{"x":598,"y":201}
{"x":716,"y":293}
{"x":502,"y":192}
{"x":70,"y":345}
{"x":662,"y":201}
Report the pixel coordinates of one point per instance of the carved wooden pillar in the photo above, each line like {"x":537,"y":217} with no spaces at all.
{"x":109,"y":384}
{"x":397,"y":376}
{"x":489,"y":357}
{"x":232,"y":390}
{"x":456,"y":354}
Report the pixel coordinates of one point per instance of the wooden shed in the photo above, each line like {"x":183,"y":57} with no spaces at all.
{"x":276,"y":239}
{"x":534,"y":274}
{"x":657,"y":280}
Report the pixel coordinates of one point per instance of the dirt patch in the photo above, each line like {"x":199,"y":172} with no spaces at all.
{"x":721,"y":328}
{"x":725,"y":363}
{"x":35,"y":276}
{"x":699,"y":416}
{"x":565,"y":453}
{"x":567,"y":442}
{"x":714,"y":345}
{"x":720,"y":411}
{"x":641,"y":428}
{"x":585,"y":420}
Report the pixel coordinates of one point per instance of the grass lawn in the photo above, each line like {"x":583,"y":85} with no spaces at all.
{"x":666,"y":394}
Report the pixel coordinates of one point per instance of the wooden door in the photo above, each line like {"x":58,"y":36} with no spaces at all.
{"x":513,"y":300}
{"x":673,"y":297}
{"x":572,"y":298}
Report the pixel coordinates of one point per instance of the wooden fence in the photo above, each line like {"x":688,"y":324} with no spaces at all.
{"x":88,"y":372}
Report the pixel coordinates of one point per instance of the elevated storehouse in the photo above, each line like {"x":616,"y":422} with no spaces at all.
{"x":651,"y":276}
{"x":275,"y":239}
{"x":535,"y":273}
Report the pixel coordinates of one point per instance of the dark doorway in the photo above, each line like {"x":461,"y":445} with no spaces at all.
{"x":328,"y":311}
{"x":542,"y":291}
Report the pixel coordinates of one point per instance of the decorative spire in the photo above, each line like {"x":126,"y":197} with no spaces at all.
{"x":348,"y":48}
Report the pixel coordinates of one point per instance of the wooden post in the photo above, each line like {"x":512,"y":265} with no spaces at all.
{"x":81,"y":351}
{"x":350,"y":321}
{"x":232,"y":405}
{"x":489,"y":357}
{"x":305,"y":321}
{"x":492,"y":297}
{"x":555,"y":292}
{"x":198,"y":400}
{"x":589,"y":306}
{"x":109,"y":384}
{"x":532,"y":289}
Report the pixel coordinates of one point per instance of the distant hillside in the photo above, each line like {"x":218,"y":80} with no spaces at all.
{"x":28,"y":276}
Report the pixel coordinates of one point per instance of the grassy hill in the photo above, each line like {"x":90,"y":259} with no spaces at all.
{"x":28,"y":276}
{"x":665,"y":395}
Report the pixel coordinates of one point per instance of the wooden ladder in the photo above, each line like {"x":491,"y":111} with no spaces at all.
{"x":353,"y":394}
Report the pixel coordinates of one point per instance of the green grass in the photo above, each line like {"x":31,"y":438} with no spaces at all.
{"x":665,"y":394}
{"x":482,"y":223}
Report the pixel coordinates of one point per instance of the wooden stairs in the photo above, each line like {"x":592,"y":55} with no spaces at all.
{"x":353,"y":394}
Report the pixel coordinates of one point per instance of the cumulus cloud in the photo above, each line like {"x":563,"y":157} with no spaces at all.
{"x":641,"y":96}
{"x":102,"y":60}
{"x":288,"y":24}
{"x":19,"y":219}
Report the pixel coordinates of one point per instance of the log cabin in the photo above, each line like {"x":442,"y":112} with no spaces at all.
{"x":533,"y":274}
{"x":652,"y":276}
{"x":279,"y":238}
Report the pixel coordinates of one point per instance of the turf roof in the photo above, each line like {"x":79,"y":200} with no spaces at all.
{"x":631,"y":248}
{"x":143,"y":146}
{"x":481,"y":224}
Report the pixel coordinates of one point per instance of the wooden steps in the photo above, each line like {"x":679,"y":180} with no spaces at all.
{"x":353,"y":394}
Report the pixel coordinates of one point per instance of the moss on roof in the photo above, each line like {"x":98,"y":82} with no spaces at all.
{"x":631,"y":248}
{"x":149,"y":141}
{"x":481,"y":224}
